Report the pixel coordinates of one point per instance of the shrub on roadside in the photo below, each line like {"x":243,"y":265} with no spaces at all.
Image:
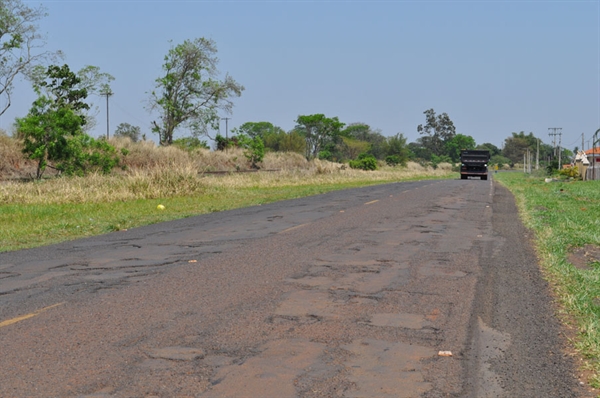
{"x":325,"y":155}
{"x":393,"y":160}
{"x":570,"y":172}
{"x":364,"y":161}
{"x":190,"y":143}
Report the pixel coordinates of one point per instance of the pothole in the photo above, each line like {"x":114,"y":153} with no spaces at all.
{"x":406,"y":321}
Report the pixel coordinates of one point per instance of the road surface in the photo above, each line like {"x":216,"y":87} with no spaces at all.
{"x":417,"y":289}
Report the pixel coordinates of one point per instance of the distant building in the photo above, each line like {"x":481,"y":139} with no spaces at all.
{"x":592,"y":170}
{"x":593,"y":155}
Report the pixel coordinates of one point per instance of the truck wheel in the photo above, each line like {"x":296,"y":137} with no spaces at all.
{"x":463,"y":177}
{"x":484,"y":178}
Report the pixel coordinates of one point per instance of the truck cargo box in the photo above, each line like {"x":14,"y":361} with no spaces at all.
{"x":474,"y":163}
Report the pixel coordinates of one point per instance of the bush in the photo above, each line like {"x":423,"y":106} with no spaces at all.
{"x":84,"y":155}
{"x":189,"y":143}
{"x":436,"y":160}
{"x":570,"y":172}
{"x":224,"y":143}
{"x":500,"y":161}
{"x":552,"y":167}
{"x":254,"y":149}
{"x":393,"y":160}
{"x":364,"y":161}
{"x":325,"y":155}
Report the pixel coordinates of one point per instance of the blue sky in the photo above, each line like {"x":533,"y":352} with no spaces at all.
{"x":495,"y":67}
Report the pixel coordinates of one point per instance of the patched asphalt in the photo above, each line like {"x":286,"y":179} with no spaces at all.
{"x":413,"y":289}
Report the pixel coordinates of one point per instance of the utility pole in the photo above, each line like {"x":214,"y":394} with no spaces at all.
{"x":530,"y":158}
{"x":559,"y":151}
{"x":107,"y":93}
{"x":226,"y":126}
{"x":537,"y":156}
{"x":555,"y":131}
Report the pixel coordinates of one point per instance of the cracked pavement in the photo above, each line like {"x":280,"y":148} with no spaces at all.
{"x":351,"y":294}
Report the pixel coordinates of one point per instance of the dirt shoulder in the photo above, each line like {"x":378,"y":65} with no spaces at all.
{"x":518,"y":345}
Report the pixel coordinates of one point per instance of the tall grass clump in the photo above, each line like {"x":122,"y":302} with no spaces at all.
{"x":136,"y":184}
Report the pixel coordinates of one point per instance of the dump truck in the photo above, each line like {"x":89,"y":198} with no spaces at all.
{"x":474,"y":163}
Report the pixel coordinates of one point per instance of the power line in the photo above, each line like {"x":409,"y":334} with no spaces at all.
{"x":127,"y":113}
{"x":574,"y":142}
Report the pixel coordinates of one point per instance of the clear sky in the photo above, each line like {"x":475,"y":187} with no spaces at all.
{"x":495,"y":67}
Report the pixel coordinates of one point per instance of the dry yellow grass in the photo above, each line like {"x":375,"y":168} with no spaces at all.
{"x":153,"y":172}
{"x":12,"y":161}
{"x":185,"y":181}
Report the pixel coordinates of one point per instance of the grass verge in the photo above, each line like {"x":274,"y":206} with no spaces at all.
{"x":565,"y":217}
{"x":41,"y":213}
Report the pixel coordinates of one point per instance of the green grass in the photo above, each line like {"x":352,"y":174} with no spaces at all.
{"x":565,"y":216}
{"x":31,"y":225}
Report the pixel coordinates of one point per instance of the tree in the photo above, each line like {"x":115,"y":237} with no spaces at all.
{"x":45,"y":130}
{"x":438,"y":130}
{"x":63,"y":88}
{"x":273,"y":137}
{"x":257,"y":129}
{"x":20,"y":44}
{"x":397,"y":147}
{"x":494,"y":150}
{"x":127,"y":130}
{"x":378,"y":144}
{"x":418,"y":150}
{"x":458,"y":143}
{"x":292,"y":141}
{"x":189,"y":94}
{"x":358,"y":131}
{"x":53,"y":129}
{"x":94,"y":81}
{"x":516,"y":146}
{"x":363,"y":132}
{"x":318,"y":131}
{"x":351,"y":148}
{"x":254,"y":149}
{"x":89,"y":80}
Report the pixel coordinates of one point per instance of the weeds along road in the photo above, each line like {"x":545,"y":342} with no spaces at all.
{"x":349,"y":294}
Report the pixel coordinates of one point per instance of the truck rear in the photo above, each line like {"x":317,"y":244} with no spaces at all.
{"x":474,"y":163}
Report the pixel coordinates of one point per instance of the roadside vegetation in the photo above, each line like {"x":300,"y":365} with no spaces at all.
{"x":565,"y":216}
{"x":54,"y":209}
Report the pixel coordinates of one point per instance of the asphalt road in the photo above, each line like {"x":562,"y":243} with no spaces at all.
{"x":348,"y":294}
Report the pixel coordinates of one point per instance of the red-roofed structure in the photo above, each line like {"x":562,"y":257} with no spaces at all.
{"x":593,"y":155}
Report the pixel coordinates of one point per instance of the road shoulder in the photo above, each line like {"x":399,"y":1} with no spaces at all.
{"x":514,"y":320}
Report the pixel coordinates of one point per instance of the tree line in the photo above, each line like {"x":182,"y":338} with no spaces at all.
{"x":191,"y":96}
{"x":317,"y":136}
